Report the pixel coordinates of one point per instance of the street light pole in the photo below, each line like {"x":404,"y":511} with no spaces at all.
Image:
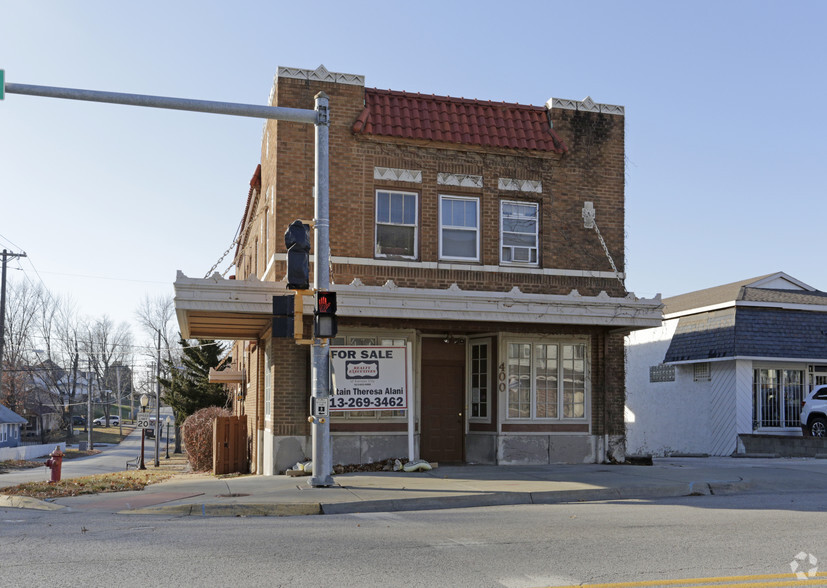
{"x":144,"y":402}
{"x":168,"y":424}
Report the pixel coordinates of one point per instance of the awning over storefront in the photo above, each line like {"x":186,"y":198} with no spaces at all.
{"x":215,"y":308}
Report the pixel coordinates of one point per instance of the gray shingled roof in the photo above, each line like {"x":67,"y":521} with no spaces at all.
{"x":750,"y":332}
{"x":707,"y":297}
{"x":815,"y":297}
{"x":8,"y":416}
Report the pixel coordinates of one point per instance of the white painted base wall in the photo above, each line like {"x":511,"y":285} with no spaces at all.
{"x":29,"y":451}
{"x":664,"y":418}
{"x":684,"y":416}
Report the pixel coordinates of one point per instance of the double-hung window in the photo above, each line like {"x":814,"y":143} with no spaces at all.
{"x":546,"y":380}
{"x":396,"y":217}
{"x":459,"y":228}
{"x":518,"y":232}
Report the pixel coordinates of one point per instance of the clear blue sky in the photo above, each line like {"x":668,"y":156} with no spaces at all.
{"x":724,"y":123}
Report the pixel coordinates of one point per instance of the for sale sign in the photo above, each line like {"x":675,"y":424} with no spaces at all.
{"x":369,"y":378}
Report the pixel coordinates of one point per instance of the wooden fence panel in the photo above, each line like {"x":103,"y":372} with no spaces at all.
{"x":230,"y":445}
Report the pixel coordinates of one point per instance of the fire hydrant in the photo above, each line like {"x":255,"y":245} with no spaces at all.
{"x":54,"y":463}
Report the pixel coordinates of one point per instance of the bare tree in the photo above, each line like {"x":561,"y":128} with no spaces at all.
{"x":107,"y":345}
{"x":59,"y":330}
{"x":22,"y":306}
{"x":157,"y":314}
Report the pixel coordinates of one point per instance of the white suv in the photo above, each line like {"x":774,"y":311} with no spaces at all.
{"x":814,"y":413}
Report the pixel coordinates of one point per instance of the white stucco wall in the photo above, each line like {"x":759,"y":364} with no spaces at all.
{"x":664,"y":418}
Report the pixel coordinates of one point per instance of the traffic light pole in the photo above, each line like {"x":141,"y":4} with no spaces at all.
{"x":320,"y":351}
{"x":322,"y":449}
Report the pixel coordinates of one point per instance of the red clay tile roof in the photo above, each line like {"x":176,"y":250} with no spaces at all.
{"x":255,"y":186}
{"x":457,"y":120}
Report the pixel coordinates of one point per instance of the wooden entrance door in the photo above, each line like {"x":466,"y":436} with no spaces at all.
{"x":442,"y":426}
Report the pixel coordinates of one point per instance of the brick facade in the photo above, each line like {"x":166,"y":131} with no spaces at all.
{"x":589,"y":169}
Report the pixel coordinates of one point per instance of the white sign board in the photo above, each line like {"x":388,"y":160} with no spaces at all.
{"x":142,"y":420}
{"x":369,"y":378}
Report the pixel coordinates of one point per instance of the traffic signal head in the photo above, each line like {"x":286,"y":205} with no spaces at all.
{"x":297,"y":235}
{"x":298,"y":269}
{"x":297,"y":240}
{"x":283,"y":311}
{"x":325,"y":323}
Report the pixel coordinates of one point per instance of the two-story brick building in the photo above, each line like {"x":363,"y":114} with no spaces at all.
{"x":487,"y":236}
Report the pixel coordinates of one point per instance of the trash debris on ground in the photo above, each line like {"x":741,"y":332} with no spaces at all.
{"x":388,"y":465}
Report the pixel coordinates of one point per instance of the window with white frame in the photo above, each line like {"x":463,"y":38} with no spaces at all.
{"x":396,"y":218}
{"x":459,"y":228}
{"x":519,"y":231}
{"x":480,"y":380}
{"x":546,"y":380}
{"x":268,"y":380}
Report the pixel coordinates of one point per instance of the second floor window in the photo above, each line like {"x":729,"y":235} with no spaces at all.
{"x":459,"y":228}
{"x":518,"y":232}
{"x":396,"y":216}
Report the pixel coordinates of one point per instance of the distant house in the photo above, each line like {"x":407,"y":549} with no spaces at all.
{"x":727,"y":368}
{"x":10,"y":423}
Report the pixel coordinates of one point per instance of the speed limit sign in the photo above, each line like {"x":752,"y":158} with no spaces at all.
{"x":142,"y":421}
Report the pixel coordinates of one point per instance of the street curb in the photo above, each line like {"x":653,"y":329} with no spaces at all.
{"x":231,"y":510}
{"x":699,"y":488}
{"x":8,"y":501}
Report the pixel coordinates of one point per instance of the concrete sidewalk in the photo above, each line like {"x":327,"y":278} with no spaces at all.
{"x":451,"y":487}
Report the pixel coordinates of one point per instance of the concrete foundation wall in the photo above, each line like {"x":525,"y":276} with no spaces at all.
{"x":481,"y":448}
{"x":547,"y":449}
{"x":363,"y":448}
{"x":286,"y":452}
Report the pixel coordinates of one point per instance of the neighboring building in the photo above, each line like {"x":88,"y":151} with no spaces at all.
{"x":728,"y":366}
{"x":10,"y":423}
{"x":461,"y":228}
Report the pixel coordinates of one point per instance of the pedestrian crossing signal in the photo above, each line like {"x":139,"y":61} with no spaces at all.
{"x":324,"y":319}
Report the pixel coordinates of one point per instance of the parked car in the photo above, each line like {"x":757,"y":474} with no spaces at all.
{"x":814,"y":413}
{"x":78,"y":421}
{"x":114,"y":421}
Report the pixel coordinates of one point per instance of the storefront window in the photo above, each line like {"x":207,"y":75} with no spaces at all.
{"x":480,"y":380}
{"x":546,"y":380}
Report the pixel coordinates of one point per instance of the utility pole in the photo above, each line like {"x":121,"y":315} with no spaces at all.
{"x":89,"y":423}
{"x":6,"y":256}
{"x":118,"y":375}
{"x":158,"y":405}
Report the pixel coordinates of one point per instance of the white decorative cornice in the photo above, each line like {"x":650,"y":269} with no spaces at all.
{"x":243,"y":309}
{"x":514,"y":184}
{"x":585,"y":105}
{"x":320,"y":74}
{"x":454,"y":304}
{"x":462,"y":180}
{"x":397,"y":175}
